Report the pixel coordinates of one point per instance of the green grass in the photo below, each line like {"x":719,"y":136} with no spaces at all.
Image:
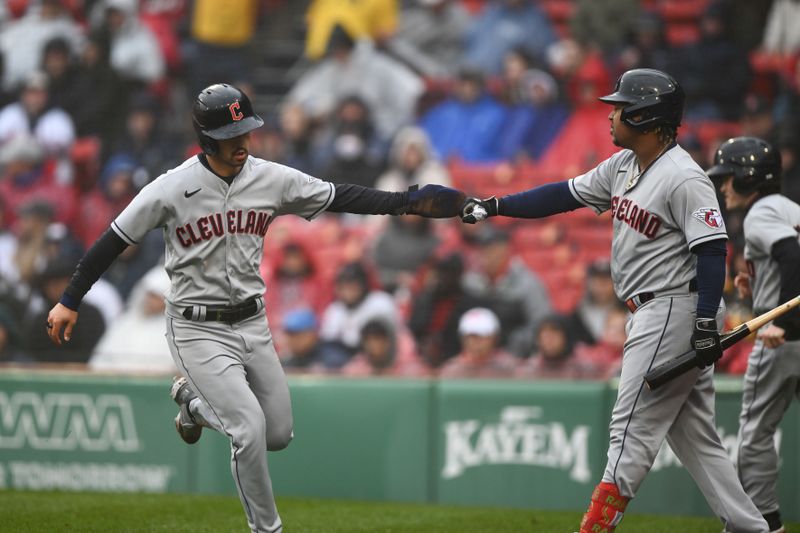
{"x":24,"y":512}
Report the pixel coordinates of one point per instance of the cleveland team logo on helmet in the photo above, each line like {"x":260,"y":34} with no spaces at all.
{"x":222,"y":111}
{"x":754,"y":164}
{"x":652,"y":98}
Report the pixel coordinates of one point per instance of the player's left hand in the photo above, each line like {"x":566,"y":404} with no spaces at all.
{"x":435,"y":201}
{"x":772,"y":336}
{"x":705,"y":341}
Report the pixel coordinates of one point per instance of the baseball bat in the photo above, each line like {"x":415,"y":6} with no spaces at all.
{"x":683,"y":363}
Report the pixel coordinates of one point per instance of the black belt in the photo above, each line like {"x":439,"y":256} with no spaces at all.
{"x":226,"y":313}
{"x":640,"y":299}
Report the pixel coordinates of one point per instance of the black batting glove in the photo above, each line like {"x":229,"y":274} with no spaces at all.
{"x":705,"y":341}
{"x":434,"y":201}
{"x":474,"y":210}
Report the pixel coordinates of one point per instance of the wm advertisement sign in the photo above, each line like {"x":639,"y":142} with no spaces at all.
{"x":64,"y":440}
{"x":67,"y":422}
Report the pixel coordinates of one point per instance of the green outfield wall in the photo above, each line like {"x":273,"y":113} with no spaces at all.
{"x":507,"y":443}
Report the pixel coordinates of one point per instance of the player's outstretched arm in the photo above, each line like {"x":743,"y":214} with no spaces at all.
{"x":538,"y":202}
{"x":98,"y":258}
{"x":432,"y":201}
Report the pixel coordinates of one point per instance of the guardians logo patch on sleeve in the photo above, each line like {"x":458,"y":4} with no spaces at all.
{"x":709,"y":216}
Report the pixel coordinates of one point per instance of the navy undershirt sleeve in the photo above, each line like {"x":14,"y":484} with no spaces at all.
{"x":786,"y":252}
{"x":710,"y":276}
{"x":539,"y":202}
{"x":96,"y":261}
{"x":352,"y":198}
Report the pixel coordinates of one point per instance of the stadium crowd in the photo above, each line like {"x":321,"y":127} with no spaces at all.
{"x":490,"y":97}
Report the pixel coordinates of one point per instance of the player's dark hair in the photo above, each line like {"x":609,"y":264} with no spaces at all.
{"x":667,"y":133}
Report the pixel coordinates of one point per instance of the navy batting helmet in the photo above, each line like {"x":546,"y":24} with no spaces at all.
{"x":754,"y":164}
{"x":651,"y":97}
{"x":222,"y":111}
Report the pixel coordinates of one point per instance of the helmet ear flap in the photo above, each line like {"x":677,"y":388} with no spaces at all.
{"x":209,"y":146}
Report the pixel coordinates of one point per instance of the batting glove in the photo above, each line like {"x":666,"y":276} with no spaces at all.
{"x":705,"y":341}
{"x":474,"y":210}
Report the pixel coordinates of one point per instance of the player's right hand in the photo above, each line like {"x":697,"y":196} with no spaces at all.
{"x":706,"y":343}
{"x":772,"y":336}
{"x":474,"y":209}
{"x":742,"y":284}
{"x":61,"y":318}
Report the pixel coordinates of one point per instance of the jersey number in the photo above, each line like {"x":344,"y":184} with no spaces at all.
{"x":235,"y":113}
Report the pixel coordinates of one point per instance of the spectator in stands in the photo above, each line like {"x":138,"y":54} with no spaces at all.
{"x":354,"y":305}
{"x":384,"y":352}
{"x":411,"y":162}
{"x":64,"y":89}
{"x":605,"y":356}
{"x":503,"y":25}
{"x":555,"y":358}
{"x":513,"y":89}
{"x":352,"y":67}
{"x":583,"y":141}
{"x":431,"y":37}
{"x":33,"y":115}
{"x":135,"y":341}
{"x":10,"y":349}
{"x":146,"y":139}
{"x":303,"y":351}
{"x":294,"y":282}
{"x":406,"y":243}
{"x":28,"y":175}
{"x":6,"y":95}
{"x":135,"y":52}
{"x":535,"y":120}
{"x":587,"y":322}
{"x":782,"y":33}
{"x":298,"y":134}
{"x":134,"y":262}
{"x":515,"y":293}
{"x":648,"y":47}
{"x":33,"y":218}
{"x":350,"y":149}
{"x":758,"y":119}
{"x":467,"y":124}
{"x":372,"y":19}
{"x":712,"y":71}
{"x":437,"y":309}
{"x":22,"y":40}
{"x":220,"y":48}
{"x":480,"y":355}
{"x":51,"y":283}
{"x":102,"y":204}
{"x":604,"y":25}
{"x":102,"y":115}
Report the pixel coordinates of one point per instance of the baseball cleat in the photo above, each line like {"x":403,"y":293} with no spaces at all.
{"x":185,"y":424}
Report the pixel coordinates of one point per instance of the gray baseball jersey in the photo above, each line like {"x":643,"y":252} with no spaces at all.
{"x":214,"y":235}
{"x":770,"y":219}
{"x":214,"y":232}
{"x":772,"y":379}
{"x":658,"y":215}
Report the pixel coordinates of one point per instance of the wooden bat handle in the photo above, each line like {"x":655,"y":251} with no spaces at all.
{"x":683,"y":363}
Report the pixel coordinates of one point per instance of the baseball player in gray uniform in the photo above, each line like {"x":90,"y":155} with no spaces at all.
{"x":747,"y":171}
{"x":668,"y":264}
{"x":215,"y":210}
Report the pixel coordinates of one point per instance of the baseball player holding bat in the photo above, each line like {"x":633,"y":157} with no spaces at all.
{"x":747,"y":171}
{"x":214,"y":210}
{"x":668,"y":264}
